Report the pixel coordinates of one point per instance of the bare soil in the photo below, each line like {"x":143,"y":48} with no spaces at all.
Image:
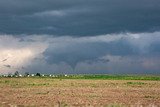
{"x":47,"y":92}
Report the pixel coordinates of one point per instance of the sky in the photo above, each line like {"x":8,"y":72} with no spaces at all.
{"x":80,"y":36}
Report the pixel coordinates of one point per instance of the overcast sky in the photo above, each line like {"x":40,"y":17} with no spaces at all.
{"x":80,"y":36}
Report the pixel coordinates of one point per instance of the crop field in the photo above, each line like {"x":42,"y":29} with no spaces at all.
{"x":80,"y":91}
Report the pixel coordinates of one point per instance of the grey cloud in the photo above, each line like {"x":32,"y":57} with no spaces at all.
{"x":49,"y":13}
{"x":115,"y":53}
{"x":8,"y":66}
{"x":154,"y":47}
{"x":4,"y":60}
{"x":90,"y":49}
{"x":79,"y":52}
{"x":79,"y":18}
{"x":91,"y":36}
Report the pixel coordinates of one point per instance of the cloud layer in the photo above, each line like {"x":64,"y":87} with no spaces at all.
{"x":78,"y":18}
{"x":82,"y":36}
{"x":110,"y":53}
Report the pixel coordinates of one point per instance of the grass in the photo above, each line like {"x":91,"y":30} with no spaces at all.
{"x":16,"y":81}
{"x":120,"y":77}
{"x":106,"y":77}
{"x":47,"y":81}
{"x":135,"y":83}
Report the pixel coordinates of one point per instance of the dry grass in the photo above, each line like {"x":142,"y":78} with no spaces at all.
{"x":50,"y":92}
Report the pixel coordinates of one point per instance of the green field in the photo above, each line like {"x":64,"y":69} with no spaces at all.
{"x":98,"y":77}
{"x":111,"y":77}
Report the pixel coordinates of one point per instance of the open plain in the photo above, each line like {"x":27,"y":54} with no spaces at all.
{"x":49,"y":92}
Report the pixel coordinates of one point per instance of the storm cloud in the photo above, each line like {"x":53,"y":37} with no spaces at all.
{"x":110,"y":53}
{"x":78,"y":18}
{"x":82,"y":36}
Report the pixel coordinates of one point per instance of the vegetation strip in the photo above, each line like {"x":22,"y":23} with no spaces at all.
{"x":94,"y":77}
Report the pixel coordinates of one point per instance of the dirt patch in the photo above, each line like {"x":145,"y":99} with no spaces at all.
{"x":55,"y":92}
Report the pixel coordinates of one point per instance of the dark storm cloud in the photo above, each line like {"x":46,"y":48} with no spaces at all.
{"x":80,"y":17}
{"x":134,"y":52}
{"x":154,"y":48}
{"x":91,"y":36}
{"x":78,"y":52}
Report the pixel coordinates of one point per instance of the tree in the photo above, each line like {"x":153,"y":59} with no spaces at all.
{"x":9,"y":74}
{"x":38,"y":74}
{"x":26,"y":74}
{"x":16,"y":73}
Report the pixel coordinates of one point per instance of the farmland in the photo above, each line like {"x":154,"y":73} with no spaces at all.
{"x":80,"y":90}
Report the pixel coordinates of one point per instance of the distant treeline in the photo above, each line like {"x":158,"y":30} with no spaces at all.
{"x":88,"y":76}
